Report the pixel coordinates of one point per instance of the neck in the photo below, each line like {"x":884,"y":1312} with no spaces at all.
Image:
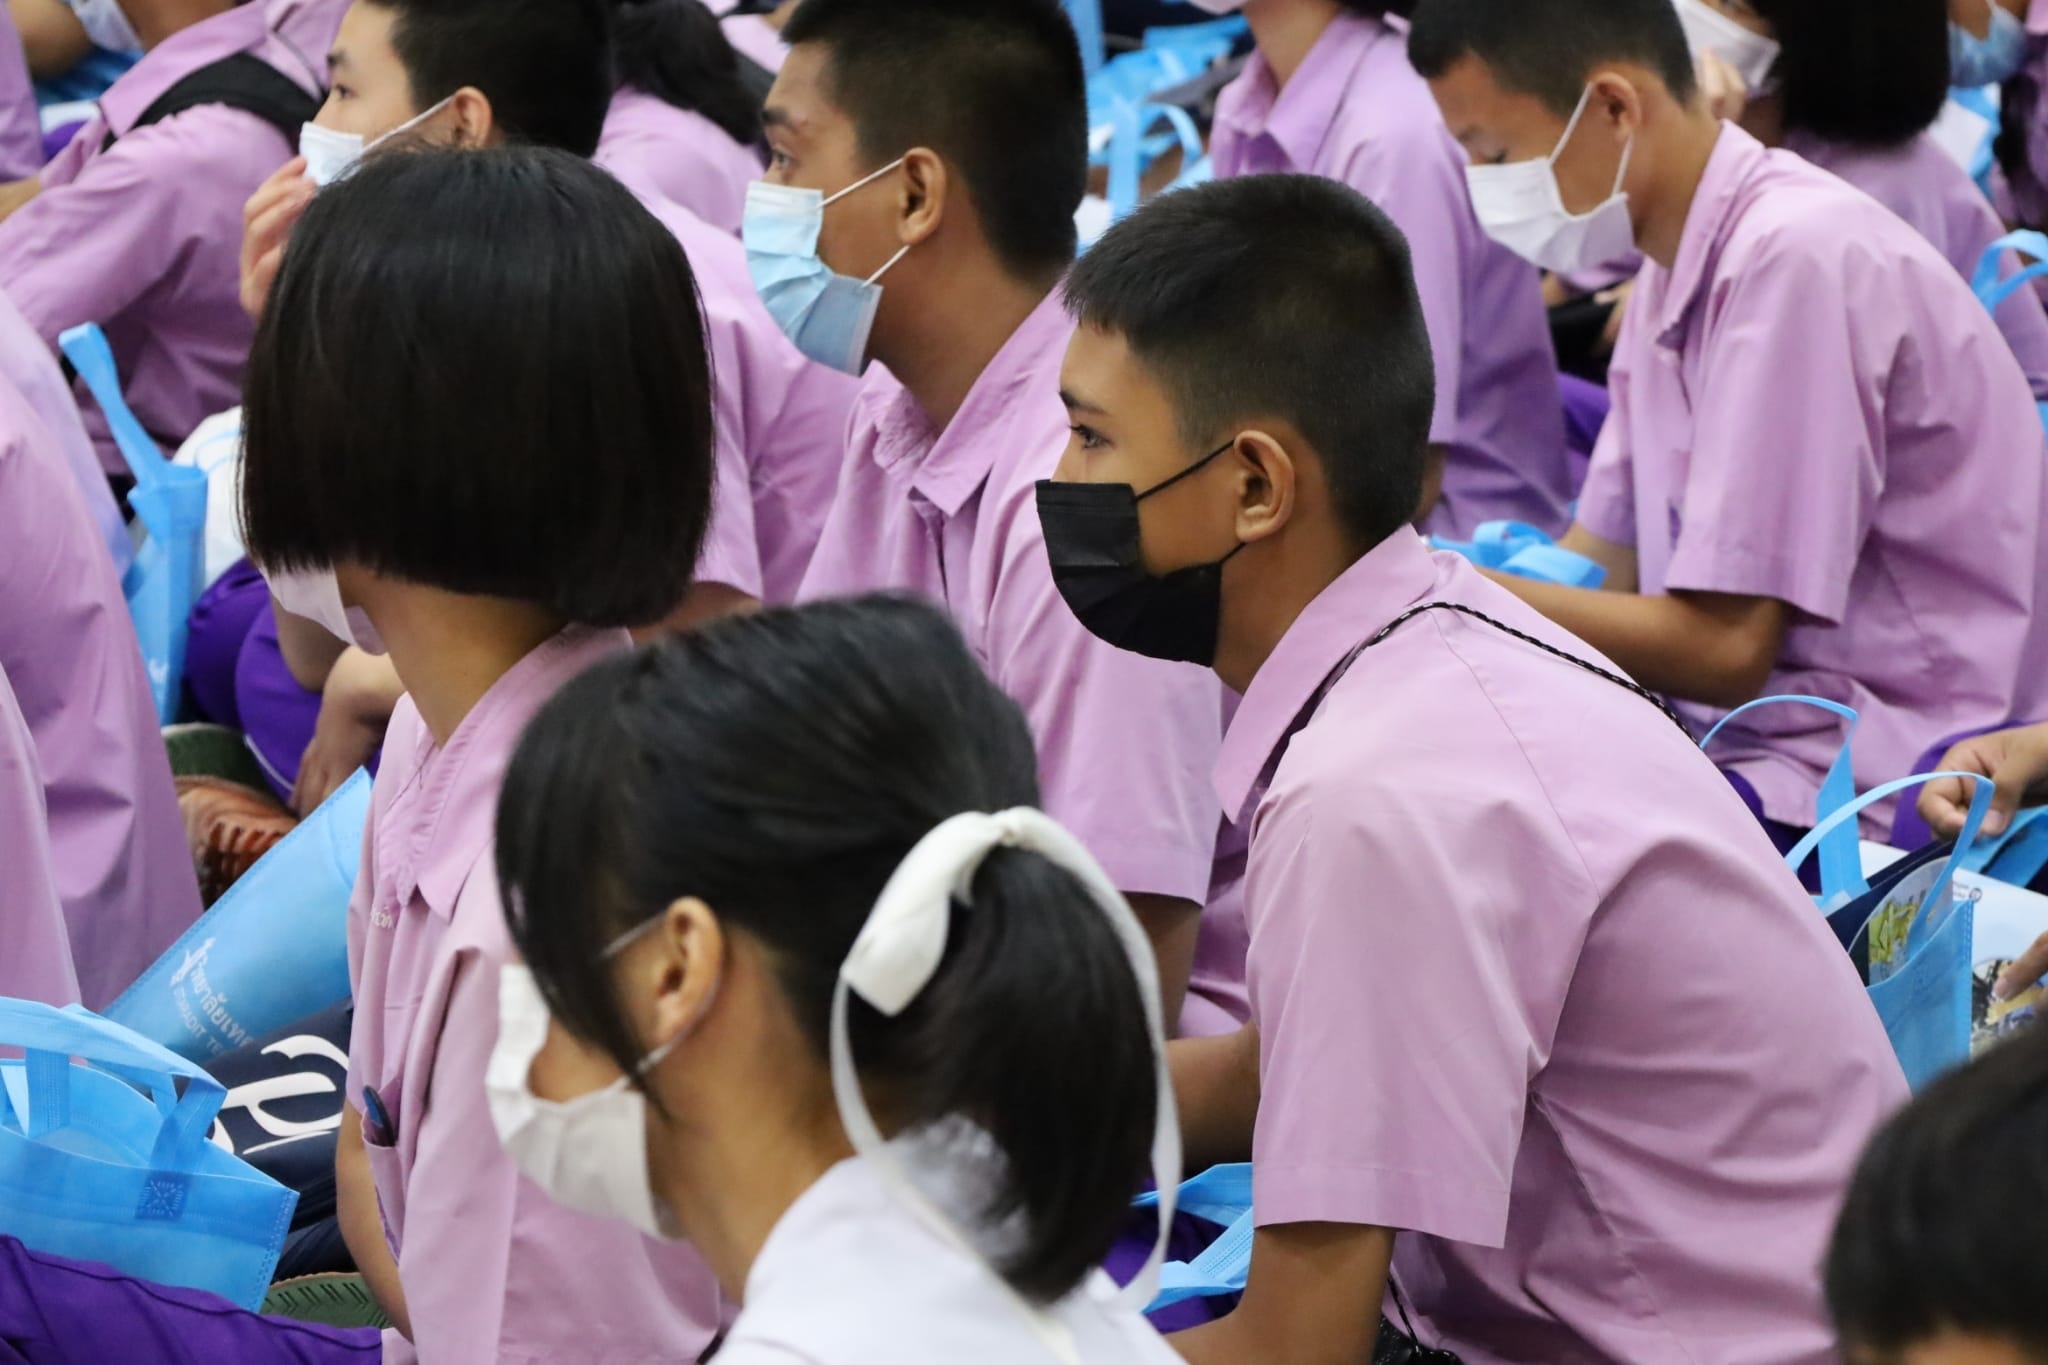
{"x":1680,"y":164}
{"x":154,"y":24}
{"x":1286,"y":32}
{"x":1763,"y":118}
{"x":940,"y":363}
{"x":729,"y":1183}
{"x":449,"y":649}
{"x":1271,"y":595}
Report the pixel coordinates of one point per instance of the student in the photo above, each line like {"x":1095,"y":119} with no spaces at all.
{"x":683,"y":121}
{"x":27,"y":364}
{"x":68,"y":648}
{"x":1487,"y":1048}
{"x":948,"y":232}
{"x":1824,"y":470}
{"x":1937,"y":1259}
{"x":37,"y":963}
{"x":1862,"y":110}
{"x":1330,"y":92}
{"x":413,"y":480}
{"x":138,"y":234}
{"x":757,"y":870}
{"x":1986,"y":44}
{"x":2016,"y":761}
{"x":21,"y":128}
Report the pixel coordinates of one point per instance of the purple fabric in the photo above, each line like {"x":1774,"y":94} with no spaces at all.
{"x":1190,"y":1238}
{"x":55,"y":1311}
{"x":1586,"y":405}
{"x":219,"y":626}
{"x":58,"y":138}
{"x":277,"y":714}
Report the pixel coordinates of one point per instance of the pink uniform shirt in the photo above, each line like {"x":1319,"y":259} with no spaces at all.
{"x":493,"y":1270}
{"x":1123,"y":741}
{"x":21,"y":128}
{"x":145,"y":237}
{"x":1811,"y":406}
{"x":1356,"y":111}
{"x":1533,"y":988}
{"x":27,"y":364}
{"x":37,"y":962}
{"x":1923,"y":185}
{"x":680,"y":154}
{"x":124,"y":871}
{"x":780,"y":420}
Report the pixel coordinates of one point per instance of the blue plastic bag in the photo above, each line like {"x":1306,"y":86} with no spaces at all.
{"x":270,"y":952}
{"x":1223,"y":1195}
{"x":1516,"y":547}
{"x":170,"y":500}
{"x":108,"y":1162}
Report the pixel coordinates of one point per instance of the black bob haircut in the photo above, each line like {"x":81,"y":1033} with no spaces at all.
{"x":484,"y":371}
{"x":779,"y":766}
{"x":993,"y":86}
{"x":1869,"y":72}
{"x":1278,"y":296}
{"x":1946,"y":1223}
{"x":676,"y":51}
{"x":545,"y":65}
{"x":1547,"y":48}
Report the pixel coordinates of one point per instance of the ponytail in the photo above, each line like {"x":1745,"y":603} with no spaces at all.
{"x":675,"y":51}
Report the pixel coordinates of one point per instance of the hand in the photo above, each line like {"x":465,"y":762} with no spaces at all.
{"x":1726,"y":93}
{"x":2023,"y":971}
{"x":355,"y":708}
{"x":267,"y":222}
{"x":2016,"y":760}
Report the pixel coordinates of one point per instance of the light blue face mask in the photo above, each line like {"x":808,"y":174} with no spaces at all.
{"x":827,"y":315}
{"x":1990,"y":60}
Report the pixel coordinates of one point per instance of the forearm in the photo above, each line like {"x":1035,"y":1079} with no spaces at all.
{"x":16,"y":193}
{"x":1216,"y":1088}
{"x":362,"y":1225}
{"x":1173,"y":925}
{"x":1312,"y":1298}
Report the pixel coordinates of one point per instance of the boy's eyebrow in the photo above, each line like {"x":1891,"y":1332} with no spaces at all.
{"x":337,"y":59}
{"x":1075,"y":403}
{"x":775,"y":116}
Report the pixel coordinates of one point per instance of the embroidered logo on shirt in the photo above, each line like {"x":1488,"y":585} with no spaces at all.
{"x":163,"y":1199}
{"x":383,"y":919}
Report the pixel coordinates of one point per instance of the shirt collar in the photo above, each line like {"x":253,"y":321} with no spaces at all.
{"x":1298,"y":119}
{"x":458,"y":795}
{"x":951,"y":465}
{"x":1393,"y":576}
{"x":1736,"y":158}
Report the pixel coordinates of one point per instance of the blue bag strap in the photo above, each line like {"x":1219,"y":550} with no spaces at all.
{"x":1220,"y":1269}
{"x":1994,"y":291}
{"x":1133,"y":122}
{"x":1220,"y":1194}
{"x":50,"y":1038}
{"x":1980,"y":803}
{"x":1555,"y":564}
{"x":1496,"y":542}
{"x":85,"y":346}
{"x":1087,"y":20}
{"x":1841,"y":860}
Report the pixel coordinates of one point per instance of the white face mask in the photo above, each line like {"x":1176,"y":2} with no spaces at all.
{"x":330,"y":154}
{"x":106,"y":24}
{"x":315,"y":595}
{"x":1218,"y":6}
{"x":1520,"y":206}
{"x":827,"y":315}
{"x":1751,"y":54}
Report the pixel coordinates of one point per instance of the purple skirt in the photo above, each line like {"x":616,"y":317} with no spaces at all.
{"x":236,"y":674}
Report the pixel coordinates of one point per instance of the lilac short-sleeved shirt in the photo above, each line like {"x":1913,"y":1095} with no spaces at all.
{"x":21,"y":128}
{"x":1356,"y":111}
{"x":1811,"y":406}
{"x":145,"y":237}
{"x":37,"y":963}
{"x":1922,"y":184}
{"x":680,"y":154}
{"x":780,"y":420}
{"x":124,"y":870}
{"x":493,"y":1270}
{"x":1123,"y":741}
{"x":26,"y":363}
{"x":1534,"y":989}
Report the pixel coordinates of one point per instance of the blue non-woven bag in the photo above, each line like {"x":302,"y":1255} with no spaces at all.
{"x":1991,"y":291}
{"x":170,"y":500}
{"x":109,"y":1161}
{"x":272,"y":950}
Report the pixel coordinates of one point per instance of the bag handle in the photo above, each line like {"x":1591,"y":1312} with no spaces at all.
{"x":1994,"y":291}
{"x":1133,"y":124}
{"x":52,"y":1037}
{"x":1938,"y":893}
{"x":1841,"y":860}
{"x":85,"y":346}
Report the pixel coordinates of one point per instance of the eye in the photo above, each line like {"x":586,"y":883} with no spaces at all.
{"x":1089,"y":437}
{"x":341,"y":92}
{"x":778,"y":159}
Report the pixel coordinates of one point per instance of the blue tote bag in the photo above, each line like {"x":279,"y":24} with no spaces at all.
{"x":271,"y":951}
{"x":109,"y":1161}
{"x":1992,"y":291}
{"x":163,"y":582}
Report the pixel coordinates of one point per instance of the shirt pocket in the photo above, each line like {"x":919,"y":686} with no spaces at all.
{"x":387,"y":1173}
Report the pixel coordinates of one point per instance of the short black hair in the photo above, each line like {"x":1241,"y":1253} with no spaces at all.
{"x":1946,"y":1223}
{"x":1547,"y":48}
{"x":1872,"y":74}
{"x":545,"y":65}
{"x":779,"y":766}
{"x":676,"y":51}
{"x":1284,"y":296}
{"x":484,"y":370}
{"x":993,"y":86}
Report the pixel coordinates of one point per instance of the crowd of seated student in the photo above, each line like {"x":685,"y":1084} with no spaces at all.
{"x":890,"y":731}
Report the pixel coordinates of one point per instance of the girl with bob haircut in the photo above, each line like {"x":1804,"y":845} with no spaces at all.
{"x":812,"y":983}
{"x":479,"y":438}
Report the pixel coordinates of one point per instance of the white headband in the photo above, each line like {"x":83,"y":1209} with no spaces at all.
{"x":900,"y":948}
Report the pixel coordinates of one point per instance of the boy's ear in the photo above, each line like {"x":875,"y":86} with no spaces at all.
{"x":1266,"y":485}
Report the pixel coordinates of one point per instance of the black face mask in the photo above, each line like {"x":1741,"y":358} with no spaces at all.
{"x":1091,"y":539}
